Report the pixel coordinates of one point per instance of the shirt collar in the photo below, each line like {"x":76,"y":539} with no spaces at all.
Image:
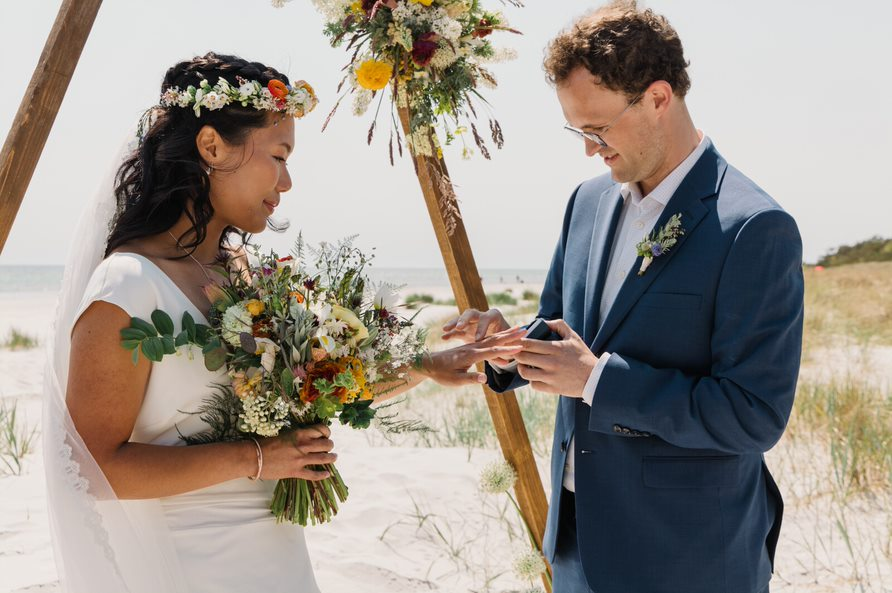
{"x":663,"y":192}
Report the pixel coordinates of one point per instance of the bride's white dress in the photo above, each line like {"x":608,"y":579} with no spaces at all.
{"x":225,"y":539}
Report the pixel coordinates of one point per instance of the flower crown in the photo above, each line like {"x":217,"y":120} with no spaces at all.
{"x":296,"y":100}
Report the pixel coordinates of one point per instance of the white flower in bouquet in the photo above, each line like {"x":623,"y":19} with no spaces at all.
{"x":333,"y":10}
{"x":446,"y":27}
{"x":444,"y":57}
{"x":361,"y":101}
{"x":498,"y":477}
{"x":327,"y":342}
{"x":236,"y":319}
{"x":267,"y":350}
{"x":528,"y":565}
{"x":386,"y":297}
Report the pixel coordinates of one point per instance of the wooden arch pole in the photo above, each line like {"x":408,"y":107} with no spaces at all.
{"x":468,"y":289}
{"x":40,"y":105}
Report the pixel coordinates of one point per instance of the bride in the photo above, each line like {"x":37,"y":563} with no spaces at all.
{"x":132,"y":509}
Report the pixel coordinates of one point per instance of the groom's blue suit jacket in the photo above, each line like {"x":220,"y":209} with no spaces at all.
{"x":672,"y":493}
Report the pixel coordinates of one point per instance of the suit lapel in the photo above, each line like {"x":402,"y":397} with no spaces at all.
{"x":610,"y":209}
{"x":702,"y":182}
{"x":607,"y":216}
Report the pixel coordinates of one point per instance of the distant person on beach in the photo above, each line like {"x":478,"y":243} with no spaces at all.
{"x":675,"y":298}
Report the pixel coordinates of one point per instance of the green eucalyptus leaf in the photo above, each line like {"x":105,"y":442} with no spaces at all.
{"x":182,"y":338}
{"x":153,"y":349}
{"x":189,"y":325}
{"x":215,"y":358}
{"x":131,"y":344}
{"x":135,"y":356}
{"x":131,"y":333}
{"x":168,"y":345}
{"x":163,"y":322}
{"x":203,"y":333}
{"x":147,"y":328}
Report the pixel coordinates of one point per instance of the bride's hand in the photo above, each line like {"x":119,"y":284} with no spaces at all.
{"x":450,"y":367}
{"x":290,"y":454}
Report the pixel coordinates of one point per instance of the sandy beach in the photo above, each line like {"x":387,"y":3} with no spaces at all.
{"x":416,"y":520}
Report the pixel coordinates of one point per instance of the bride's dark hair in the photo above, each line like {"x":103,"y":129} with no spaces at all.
{"x":165,"y":174}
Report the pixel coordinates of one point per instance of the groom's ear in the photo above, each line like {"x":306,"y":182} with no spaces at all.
{"x":209,"y":144}
{"x":660,"y":96}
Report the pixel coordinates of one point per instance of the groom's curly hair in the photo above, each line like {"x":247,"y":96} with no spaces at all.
{"x":165,"y":174}
{"x":625,"y":47}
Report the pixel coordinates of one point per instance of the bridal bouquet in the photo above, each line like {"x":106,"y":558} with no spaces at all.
{"x":305,"y":339}
{"x":433,"y":54}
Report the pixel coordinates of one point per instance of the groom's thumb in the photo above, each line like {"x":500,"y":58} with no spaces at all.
{"x":560,"y":327}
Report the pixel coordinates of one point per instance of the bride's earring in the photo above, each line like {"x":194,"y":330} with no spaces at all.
{"x":209,"y":170}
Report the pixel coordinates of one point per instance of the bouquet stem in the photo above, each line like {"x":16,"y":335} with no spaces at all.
{"x":301,"y":501}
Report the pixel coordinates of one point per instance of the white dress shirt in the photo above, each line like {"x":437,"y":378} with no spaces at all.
{"x":639,"y":215}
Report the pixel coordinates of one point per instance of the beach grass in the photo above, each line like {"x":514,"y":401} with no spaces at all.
{"x":16,"y":440}
{"x":18,"y":340}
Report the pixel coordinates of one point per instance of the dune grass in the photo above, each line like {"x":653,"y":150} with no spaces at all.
{"x":16,"y":440}
{"x":18,"y":340}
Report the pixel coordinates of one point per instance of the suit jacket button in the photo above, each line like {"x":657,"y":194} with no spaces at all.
{"x":617,"y":428}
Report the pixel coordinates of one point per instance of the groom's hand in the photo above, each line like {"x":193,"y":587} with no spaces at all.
{"x":561,"y":366}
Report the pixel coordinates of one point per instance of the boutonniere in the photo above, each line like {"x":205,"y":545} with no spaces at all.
{"x":659,"y":242}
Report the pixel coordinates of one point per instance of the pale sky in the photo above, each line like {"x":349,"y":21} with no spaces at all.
{"x":792,"y":92}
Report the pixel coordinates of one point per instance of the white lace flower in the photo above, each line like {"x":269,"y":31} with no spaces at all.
{"x":332,"y":10}
{"x":361,"y":101}
{"x":528,"y":565}
{"x":497,"y":477}
{"x":444,"y":57}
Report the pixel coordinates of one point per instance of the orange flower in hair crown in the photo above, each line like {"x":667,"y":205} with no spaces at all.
{"x":296,"y":100}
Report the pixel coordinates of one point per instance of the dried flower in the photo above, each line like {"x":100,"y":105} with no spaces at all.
{"x":497,"y":478}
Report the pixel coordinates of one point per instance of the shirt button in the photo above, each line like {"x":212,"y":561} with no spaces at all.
{"x":621,"y":274}
{"x":639,"y":224}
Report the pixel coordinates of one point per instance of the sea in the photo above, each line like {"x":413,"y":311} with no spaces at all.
{"x":48,"y":279}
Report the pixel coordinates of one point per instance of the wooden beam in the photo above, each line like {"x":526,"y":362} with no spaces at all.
{"x":40,"y":105}
{"x":439,"y":196}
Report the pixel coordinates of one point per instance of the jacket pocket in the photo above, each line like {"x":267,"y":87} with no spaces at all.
{"x":691,"y":472}
{"x":671,"y":300}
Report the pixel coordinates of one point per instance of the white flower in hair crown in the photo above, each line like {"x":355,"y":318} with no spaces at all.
{"x":296,"y":100}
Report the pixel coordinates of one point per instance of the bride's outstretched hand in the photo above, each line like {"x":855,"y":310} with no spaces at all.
{"x":450,"y":367}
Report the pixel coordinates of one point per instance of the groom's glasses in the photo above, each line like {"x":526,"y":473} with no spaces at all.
{"x":596,"y":138}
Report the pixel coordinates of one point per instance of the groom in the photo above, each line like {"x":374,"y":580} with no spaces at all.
{"x":676,"y":371}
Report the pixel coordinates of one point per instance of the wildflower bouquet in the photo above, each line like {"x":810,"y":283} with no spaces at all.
{"x":302,"y":345}
{"x":432,"y":53}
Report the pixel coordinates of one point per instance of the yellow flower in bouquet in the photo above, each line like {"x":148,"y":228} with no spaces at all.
{"x":424,"y":2}
{"x":255,"y":307}
{"x":374,"y":75}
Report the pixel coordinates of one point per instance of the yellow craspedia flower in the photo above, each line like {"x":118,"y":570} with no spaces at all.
{"x":425,"y":2}
{"x":356,"y":8}
{"x":374,"y":75}
{"x":255,"y":307}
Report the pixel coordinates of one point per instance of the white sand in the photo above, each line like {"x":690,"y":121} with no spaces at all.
{"x":415,"y":520}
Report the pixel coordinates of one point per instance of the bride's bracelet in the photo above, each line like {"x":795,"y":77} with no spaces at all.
{"x":259,"y":460}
